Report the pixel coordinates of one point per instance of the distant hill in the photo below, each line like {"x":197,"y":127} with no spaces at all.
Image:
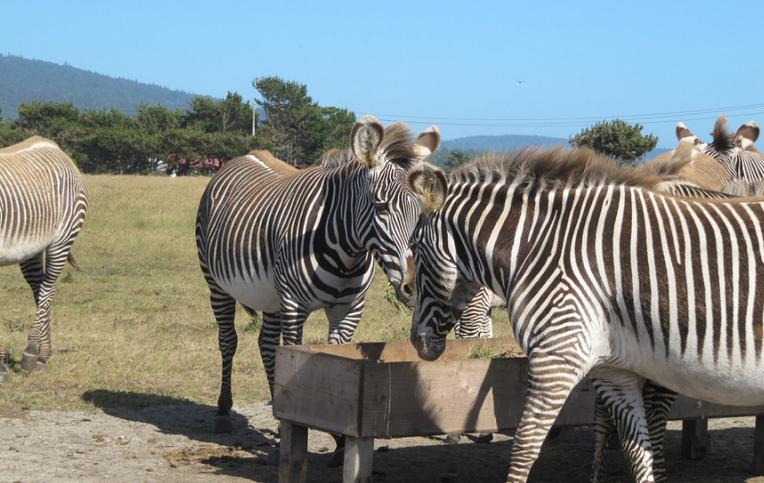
{"x":24,"y":80}
{"x":504,"y":143}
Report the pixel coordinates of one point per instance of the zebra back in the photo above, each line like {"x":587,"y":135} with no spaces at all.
{"x":42,"y":197}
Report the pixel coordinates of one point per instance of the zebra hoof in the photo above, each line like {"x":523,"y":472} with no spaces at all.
{"x":30,"y":359}
{"x":5,"y":374}
{"x":222,"y":425}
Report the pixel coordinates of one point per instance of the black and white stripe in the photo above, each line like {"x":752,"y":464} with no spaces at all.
{"x":288,"y":243}
{"x":600,"y":277}
{"x":42,"y":207}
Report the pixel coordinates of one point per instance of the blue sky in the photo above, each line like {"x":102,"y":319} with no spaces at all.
{"x":455,"y":64}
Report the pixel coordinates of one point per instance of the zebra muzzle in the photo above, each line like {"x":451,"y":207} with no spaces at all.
{"x":427,"y":348}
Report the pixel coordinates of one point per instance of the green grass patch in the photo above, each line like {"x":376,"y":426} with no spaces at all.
{"x":134,"y":326}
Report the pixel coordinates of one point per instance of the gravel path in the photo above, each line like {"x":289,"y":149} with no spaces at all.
{"x":173,"y":443}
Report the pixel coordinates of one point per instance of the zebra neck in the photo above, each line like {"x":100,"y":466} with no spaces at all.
{"x":348,"y":212}
{"x":487,"y":253}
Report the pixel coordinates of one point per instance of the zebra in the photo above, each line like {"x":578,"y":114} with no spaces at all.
{"x":287,"y":243}
{"x":736,"y":152}
{"x":42,"y":208}
{"x":602,"y":275}
{"x":475,"y":321}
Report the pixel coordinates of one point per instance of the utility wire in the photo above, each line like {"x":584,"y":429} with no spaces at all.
{"x":647,"y":118}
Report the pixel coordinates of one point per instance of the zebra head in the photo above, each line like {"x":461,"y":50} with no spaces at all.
{"x":735,"y":152}
{"x":441,"y":294}
{"x":393,"y":209}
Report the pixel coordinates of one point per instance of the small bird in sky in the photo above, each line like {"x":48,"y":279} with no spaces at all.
{"x":520,"y":81}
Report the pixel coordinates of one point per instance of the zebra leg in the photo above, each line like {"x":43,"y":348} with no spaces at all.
{"x":224,"y":308}
{"x":33,"y":270}
{"x":658,"y":401}
{"x":486,"y":327}
{"x":343,"y":321}
{"x":621,"y":393}
{"x":603,"y":427}
{"x":5,"y":373}
{"x":471,"y":323}
{"x":543,"y":402}
{"x":267,"y":341}
{"x":55,"y":259}
{"x":287,"y":323}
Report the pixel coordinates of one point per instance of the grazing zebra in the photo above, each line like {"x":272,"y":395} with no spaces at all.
{"x":601,"y":275}
{"x":475,"y":321}
{"x":42,"y":208}
{"x":288,"y":243}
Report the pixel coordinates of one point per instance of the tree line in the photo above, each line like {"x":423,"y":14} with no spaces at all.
{"x":198,"y":139}
{"x":616,"y":138}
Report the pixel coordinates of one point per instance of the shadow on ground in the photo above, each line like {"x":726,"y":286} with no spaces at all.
{"x":172,"y":415}
{"x":251,"y":451}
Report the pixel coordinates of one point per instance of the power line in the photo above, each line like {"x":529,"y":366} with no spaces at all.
{"x":647,"y":118}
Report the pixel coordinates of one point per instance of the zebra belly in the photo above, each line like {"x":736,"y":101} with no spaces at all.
{"x":257,"y":294}
{"x":13,"y":252}
{"x":733,"y":388}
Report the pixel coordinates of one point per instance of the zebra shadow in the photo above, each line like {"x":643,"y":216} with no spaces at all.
{"x":179,"y":416}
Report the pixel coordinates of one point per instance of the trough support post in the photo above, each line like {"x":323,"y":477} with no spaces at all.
{"x":694,"y":438}
{"x":359,"y":455}
{"x":293,"y":453}
{"x":758,"y":446}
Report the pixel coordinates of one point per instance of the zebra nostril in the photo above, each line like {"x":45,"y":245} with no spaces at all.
{"x":407,"y":290}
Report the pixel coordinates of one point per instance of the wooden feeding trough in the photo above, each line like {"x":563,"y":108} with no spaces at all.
{"x":383,"y":390}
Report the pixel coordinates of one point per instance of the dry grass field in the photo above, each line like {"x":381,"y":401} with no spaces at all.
{"x":135,"y":322}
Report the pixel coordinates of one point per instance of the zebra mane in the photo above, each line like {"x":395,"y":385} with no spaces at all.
{"x":397,"y":146}
{"x":723,"y":140}
{"x":556,"y":167}
{"x":667,"y":164}
{"x":744,"y":188}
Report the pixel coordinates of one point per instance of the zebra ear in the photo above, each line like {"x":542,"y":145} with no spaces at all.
{"x":365,"y":139}
{"x":427,"y":142}
{"x":747,"y":134}
{"x":683,"y":134}
{"x":429,"y":183}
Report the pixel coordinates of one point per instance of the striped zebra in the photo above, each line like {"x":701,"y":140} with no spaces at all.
{"x":691,"y":174}
{"x":736,"y":152}
{"x":287,"y":243}
{"x":685,"y":171}
{"x":475,"y":321}
{"x":42,"y":207}
{"x":603,"y":276}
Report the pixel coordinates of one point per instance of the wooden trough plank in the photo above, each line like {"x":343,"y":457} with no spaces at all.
{"x":364,"y":398}
{"x":318,"y":390}
{"x":694,"y":438}
{"x":410,"y":398}
{"x":293,"y":453}
{"x":359,"y":456}
{"x":758,"y":446}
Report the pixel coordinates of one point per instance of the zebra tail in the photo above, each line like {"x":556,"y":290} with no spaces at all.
{"x":72,"y":261}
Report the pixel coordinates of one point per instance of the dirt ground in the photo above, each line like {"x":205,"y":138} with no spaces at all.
{"x":173,"y":443}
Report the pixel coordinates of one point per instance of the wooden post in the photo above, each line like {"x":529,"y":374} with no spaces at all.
{"x":694,"y":438}
{"x":758,"y":446}
{"x":359,"y":455}
{"x":293,"y":453}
